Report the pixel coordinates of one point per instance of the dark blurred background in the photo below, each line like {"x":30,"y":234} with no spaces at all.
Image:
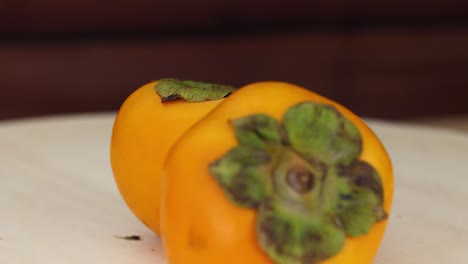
{"x":383,"y":59}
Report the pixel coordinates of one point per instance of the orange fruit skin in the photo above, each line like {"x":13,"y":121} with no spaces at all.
{"x":202,"y":226}
{"x":143,"y":132}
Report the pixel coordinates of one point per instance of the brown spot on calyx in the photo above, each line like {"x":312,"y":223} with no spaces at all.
{"x":214,"y":163}
{"x":342,"y":134}
{"x":169,"y":98}
{"x":313,"y":258}
{"x":345,"y":196}
{"x":284,"y":139}
{"x":300,"y":179}
{"x":252,"y":125}
{"x":276,"y":231}
{"x":238,"y":188}
{"x":342,"y":170}
{"x":380,"y":214}
{"x":362,"y":175}
{"x":261,"y":155}
{"x":240,"y":196}
{"x":366,"y":181}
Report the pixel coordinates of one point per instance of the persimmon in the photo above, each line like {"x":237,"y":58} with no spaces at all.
{"x":276,"y":174}
{"x":146,"y":126}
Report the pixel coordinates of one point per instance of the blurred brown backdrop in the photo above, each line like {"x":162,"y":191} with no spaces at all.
{"x":387,"y":59}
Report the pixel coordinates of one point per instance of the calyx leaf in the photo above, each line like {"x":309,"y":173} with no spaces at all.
{"x":321,"y":132}
{"x":290,"y":237}
{"x":361,"y":207}
{"x":240,"y":174}
{"x":191,"y":91}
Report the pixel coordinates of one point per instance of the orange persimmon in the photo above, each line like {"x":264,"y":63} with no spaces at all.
{"x":146,"y":126}
{"x":274,"y":174}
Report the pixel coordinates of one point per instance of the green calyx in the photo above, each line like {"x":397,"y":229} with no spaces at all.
{"x":191,"y":91}
{"x":304,"y":177}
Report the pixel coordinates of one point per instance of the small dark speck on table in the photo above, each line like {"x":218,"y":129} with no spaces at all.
{"x":131,"y":238}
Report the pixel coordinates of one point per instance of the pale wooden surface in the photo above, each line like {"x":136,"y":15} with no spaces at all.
{"x":59,"y":204}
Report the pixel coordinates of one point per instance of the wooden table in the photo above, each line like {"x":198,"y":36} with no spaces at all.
{"x":59,"y":203}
